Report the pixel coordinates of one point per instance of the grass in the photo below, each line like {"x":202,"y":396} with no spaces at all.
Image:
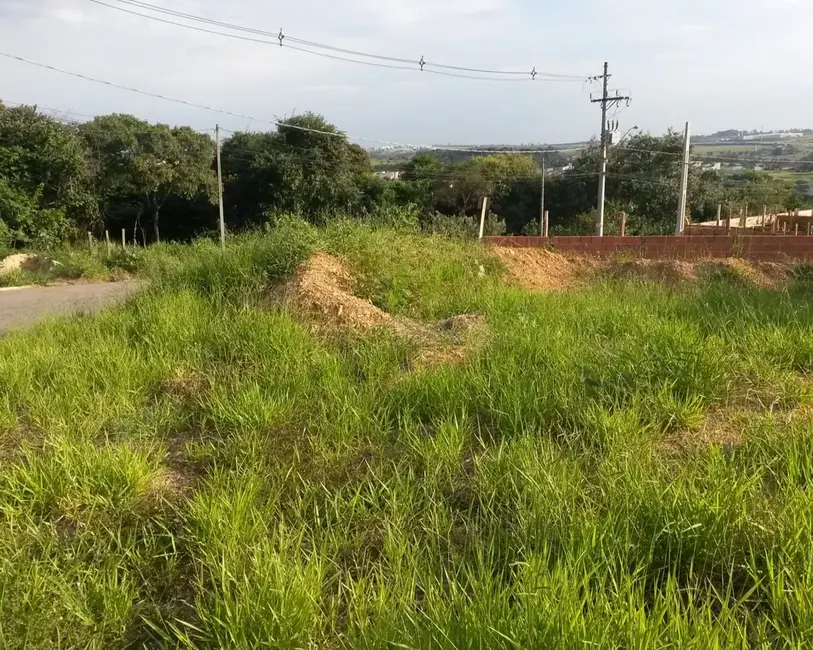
{"x":197,"y":470}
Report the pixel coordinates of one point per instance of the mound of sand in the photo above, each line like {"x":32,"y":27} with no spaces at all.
{"x":542,"y":270}
{"x":26,"y":262}
{"x":322,"y":292}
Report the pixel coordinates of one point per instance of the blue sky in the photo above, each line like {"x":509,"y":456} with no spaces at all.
{"x":718,"y":63}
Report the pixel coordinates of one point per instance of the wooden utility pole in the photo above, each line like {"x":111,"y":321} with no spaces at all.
{"x":220,"y":189}
{"x":547,"y":224}
{"x":606,"y":101}
{"x":684,"y":183}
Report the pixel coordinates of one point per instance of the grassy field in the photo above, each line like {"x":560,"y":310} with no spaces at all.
{"x":627,"y":465}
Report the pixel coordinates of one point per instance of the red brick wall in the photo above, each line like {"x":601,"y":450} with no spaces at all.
{"x":764,"y":248}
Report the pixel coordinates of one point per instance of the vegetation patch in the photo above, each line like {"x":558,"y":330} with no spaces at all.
{"x":623,"y":464}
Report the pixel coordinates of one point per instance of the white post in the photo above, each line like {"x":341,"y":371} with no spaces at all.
{"x":684,"y":184}
{"x":542,"y":206}
{"x":483,"y":216}
{"x":220,"y":189}
{"x":123,"y":238}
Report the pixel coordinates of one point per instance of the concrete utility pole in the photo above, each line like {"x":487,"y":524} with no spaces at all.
{"x":684,"y":183}
{"x":542,"y":202}
{"x":220,"y":189}
{"x":605,"y":102}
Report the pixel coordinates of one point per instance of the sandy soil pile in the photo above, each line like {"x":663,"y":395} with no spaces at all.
{"x":26,"y":262}
{"x":542,"y":270}
{"x":322,"y":292}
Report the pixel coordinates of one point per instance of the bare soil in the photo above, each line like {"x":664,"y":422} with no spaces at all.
{"x":322,"y":293}
{"x":542,"y":270}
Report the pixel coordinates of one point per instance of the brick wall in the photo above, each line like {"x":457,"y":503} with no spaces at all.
{"x":765,"y":248}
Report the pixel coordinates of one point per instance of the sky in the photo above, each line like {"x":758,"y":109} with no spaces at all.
{"x":717,"y":63}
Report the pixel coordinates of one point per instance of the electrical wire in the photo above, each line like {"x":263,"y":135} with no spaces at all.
{"x":276,"y":123}
{"x":284,"y":39}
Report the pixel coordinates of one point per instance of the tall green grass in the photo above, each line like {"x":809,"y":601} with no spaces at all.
{"x":196,"y":469}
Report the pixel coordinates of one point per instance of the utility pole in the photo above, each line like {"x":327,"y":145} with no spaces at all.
{"x":684,"y":183}
{"x":542,"y":202}
{"x":220,"y":189}
{"x":606,"y":101}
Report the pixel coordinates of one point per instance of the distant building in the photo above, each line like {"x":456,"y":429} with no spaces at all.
{"x":390,"y":176}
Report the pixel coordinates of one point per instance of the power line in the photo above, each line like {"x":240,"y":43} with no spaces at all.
{"x":283,"y":40}
{"x":192,"y":104}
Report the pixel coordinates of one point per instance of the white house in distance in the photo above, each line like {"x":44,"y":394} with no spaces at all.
{"x":389,"y":176}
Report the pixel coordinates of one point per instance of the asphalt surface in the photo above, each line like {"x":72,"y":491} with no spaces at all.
{"x":30,"y":305}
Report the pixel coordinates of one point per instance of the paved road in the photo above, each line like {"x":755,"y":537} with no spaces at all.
{"x":29,"y":305}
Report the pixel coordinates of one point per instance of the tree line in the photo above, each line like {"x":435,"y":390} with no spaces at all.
{"x":159,"y":182}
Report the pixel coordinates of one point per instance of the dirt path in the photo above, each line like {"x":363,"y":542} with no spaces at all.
{"x":29,"y":305}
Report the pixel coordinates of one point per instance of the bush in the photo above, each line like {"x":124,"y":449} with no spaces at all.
{"x":464,"y":227}
{"x":129,"y":260}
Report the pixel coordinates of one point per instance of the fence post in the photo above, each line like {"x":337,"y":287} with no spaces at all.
{"x":107,"y":241}
{"x":623,"y":224}
{"x":743,"y":218}
{"x":123,"y":238}
{"x":90,"y":241}
{"x":719,"y":214}
{"x":809,"y":228}
{"x":728,"y":221}
{"x":797,"y":228}
{"x":764,"y":214}
{"x":483,"y":216}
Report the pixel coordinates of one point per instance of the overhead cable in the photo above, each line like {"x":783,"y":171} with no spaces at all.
{"x":284,"y":40}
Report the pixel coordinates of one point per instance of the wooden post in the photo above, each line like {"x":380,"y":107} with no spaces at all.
{"x":784,"y":227}
{"x":764,"y":214}
{"x":797,"y":228}
{"x":719,"y":214}
{"x":123,"y":238}
{"x":483,"y":216}
{"x":90,"y":241}
{"x":809,"y":228}
{"x":623,"y":224}
{"x":107,"y":241}
{"x":547,"y":224}
{"x":728,"y":221}
{"x":743,"y":218}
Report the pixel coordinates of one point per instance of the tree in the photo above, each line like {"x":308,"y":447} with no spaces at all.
{"x":307,"y":167}
{"x":44,"y":181}
{"x":493,"y":176}
{"x":422,"y":167}
{"x":148,"y":164}
{"x":643,"y":181}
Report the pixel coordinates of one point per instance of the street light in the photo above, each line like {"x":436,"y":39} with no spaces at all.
{"x":623,"y":137}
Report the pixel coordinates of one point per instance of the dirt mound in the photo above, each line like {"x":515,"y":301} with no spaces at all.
{"x":26,"y":262}
{"x":542,"y":270}
{"x":322,"y":289}
{"x":322,"y":292}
